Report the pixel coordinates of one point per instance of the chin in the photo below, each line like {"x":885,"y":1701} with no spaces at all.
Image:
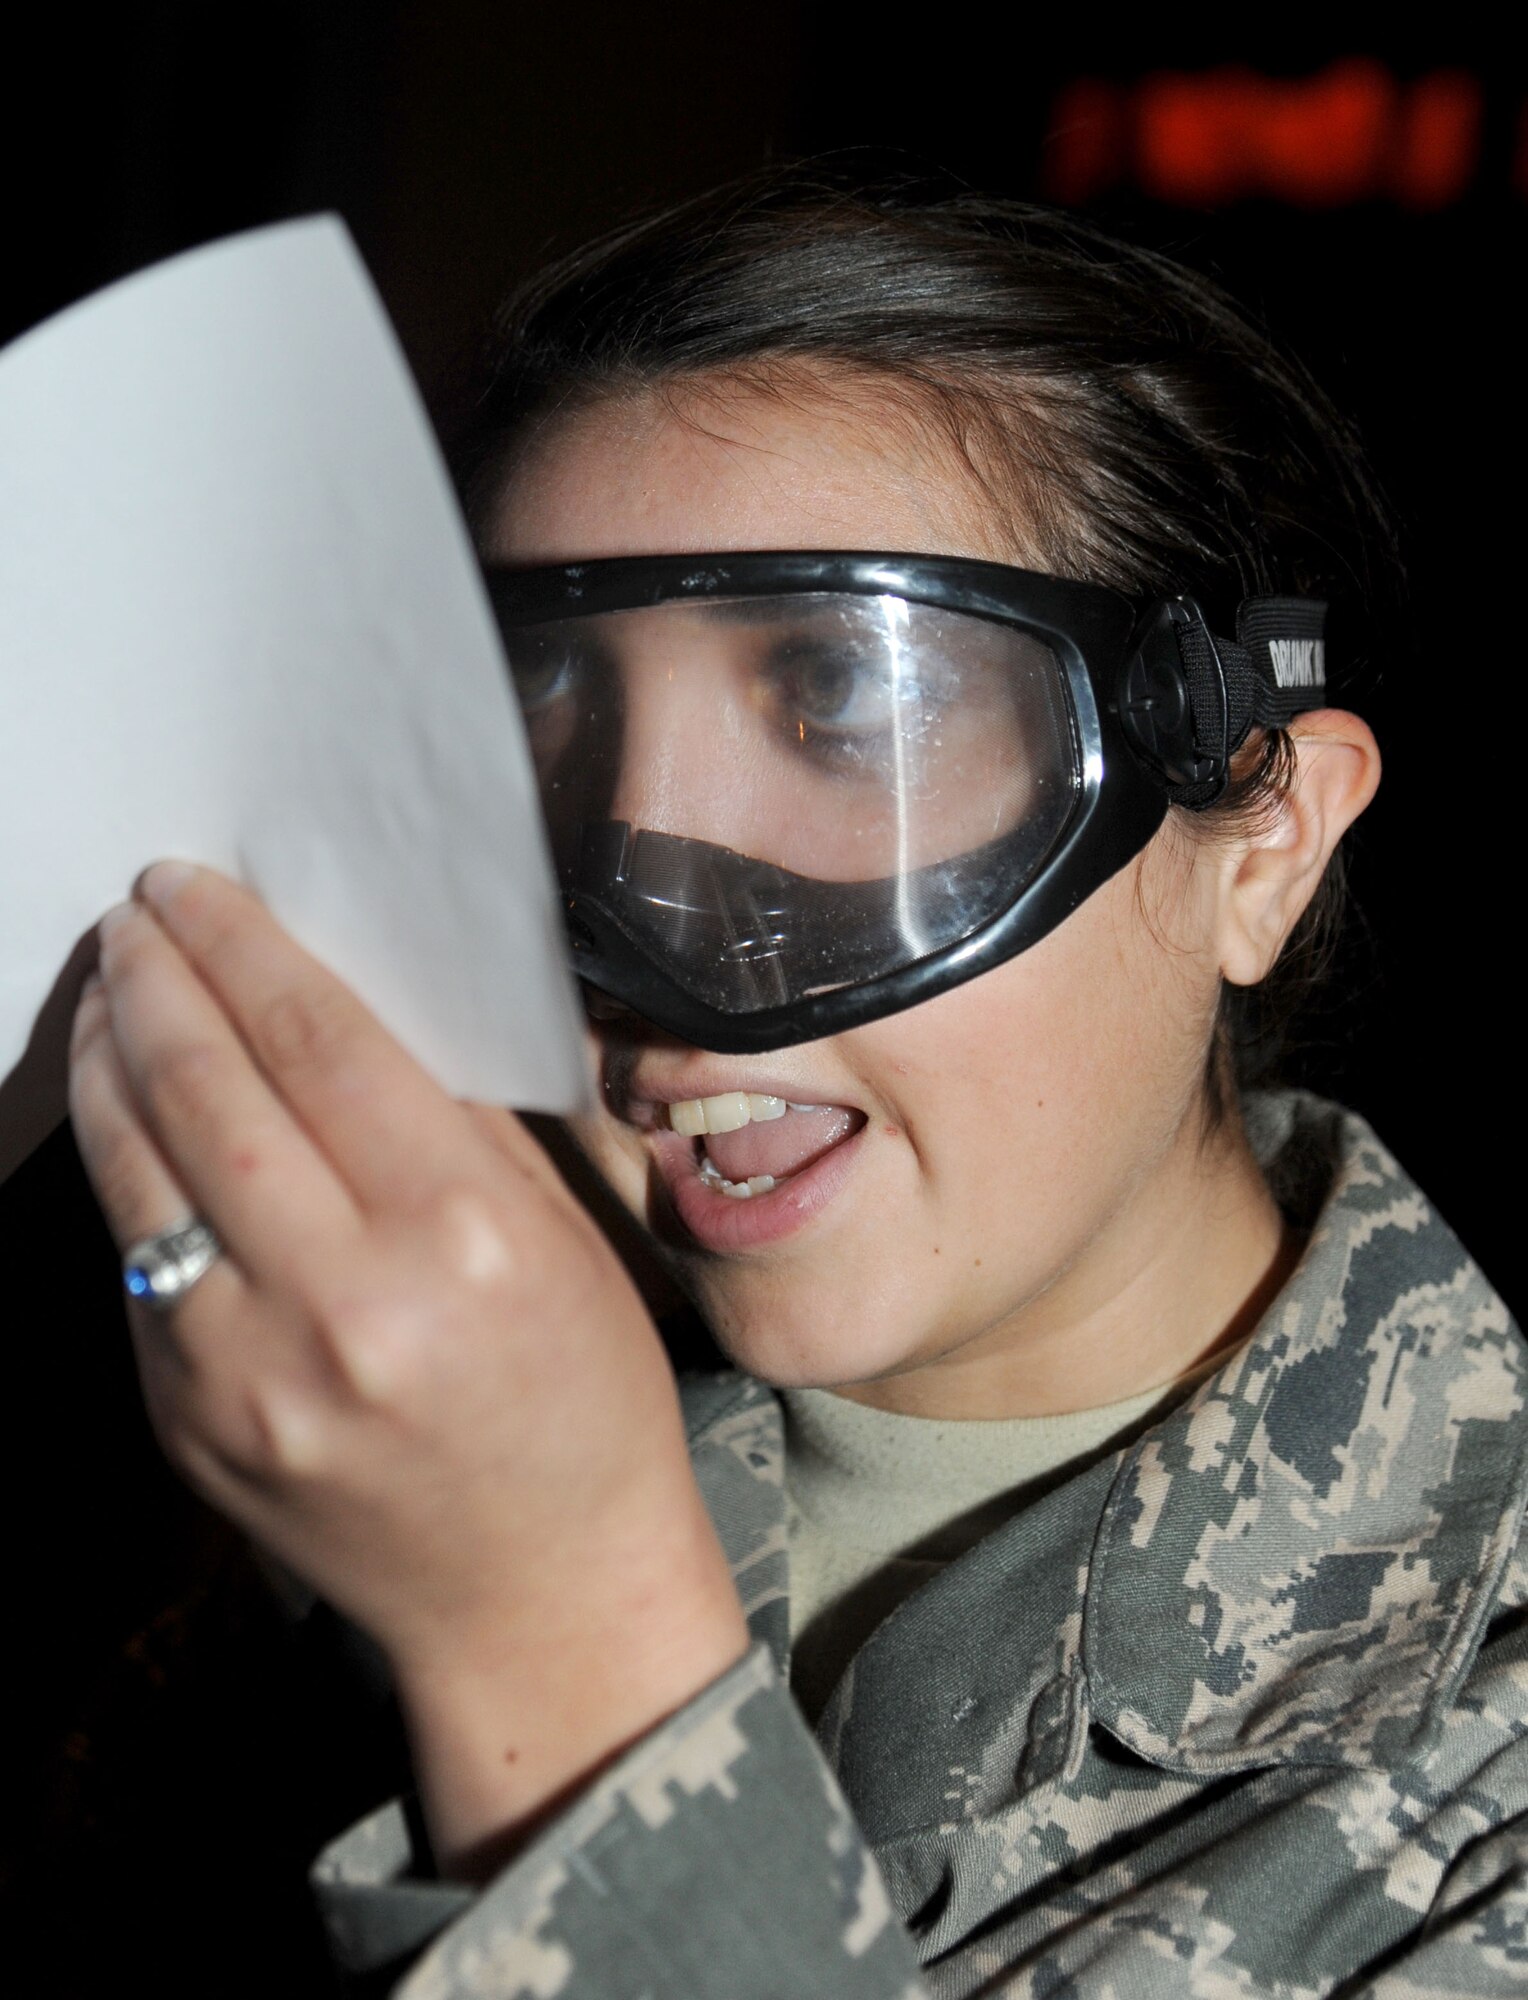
{"x":811,"y":1343}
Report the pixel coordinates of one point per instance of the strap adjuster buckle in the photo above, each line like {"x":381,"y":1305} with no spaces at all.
{"x":1175,"y":702}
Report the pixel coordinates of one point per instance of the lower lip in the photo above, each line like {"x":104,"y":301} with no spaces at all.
{"x":729,"y":1222}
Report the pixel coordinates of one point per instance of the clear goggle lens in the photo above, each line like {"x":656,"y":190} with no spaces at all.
{"x":777,"y":796}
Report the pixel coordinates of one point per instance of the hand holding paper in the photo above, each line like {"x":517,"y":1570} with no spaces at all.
{"x":240,"y":622}
{"x":418,"y":1375}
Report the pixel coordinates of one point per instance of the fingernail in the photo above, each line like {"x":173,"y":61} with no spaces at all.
{"x":92,"y":986}
{"x":114,"y":919}
{"x":162,"y":883}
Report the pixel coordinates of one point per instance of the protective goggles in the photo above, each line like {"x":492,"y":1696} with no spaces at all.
{"x":791,"y":793}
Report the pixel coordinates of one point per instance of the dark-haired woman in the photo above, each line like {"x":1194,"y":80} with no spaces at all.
{"x":1095,"y":1570}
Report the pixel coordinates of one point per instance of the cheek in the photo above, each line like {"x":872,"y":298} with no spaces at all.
{"x":1042,"y":1088}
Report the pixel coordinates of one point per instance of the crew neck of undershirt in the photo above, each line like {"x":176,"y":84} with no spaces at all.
{"x":877,"y":1480}
{"x":877,"y":1502}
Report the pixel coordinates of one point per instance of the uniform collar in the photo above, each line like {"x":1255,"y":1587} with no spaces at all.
{"x":1297,"y":1565}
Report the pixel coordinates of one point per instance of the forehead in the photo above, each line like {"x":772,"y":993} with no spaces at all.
{"x":737,"y":466}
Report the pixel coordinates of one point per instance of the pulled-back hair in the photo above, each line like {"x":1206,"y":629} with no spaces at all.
{"x":1132,"y":423}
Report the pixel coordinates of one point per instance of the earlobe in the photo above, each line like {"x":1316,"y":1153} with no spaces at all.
{"x":1275,"y":869}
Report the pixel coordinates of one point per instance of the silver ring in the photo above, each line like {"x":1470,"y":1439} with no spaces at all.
{"x":160,"y":1270}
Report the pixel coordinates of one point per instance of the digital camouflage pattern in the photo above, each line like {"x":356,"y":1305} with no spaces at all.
{"x":1240,"y":1710}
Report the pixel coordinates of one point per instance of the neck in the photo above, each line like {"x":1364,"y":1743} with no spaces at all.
{"x":1185,"y":1268}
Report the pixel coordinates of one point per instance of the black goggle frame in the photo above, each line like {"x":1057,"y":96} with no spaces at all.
{"x":1158,"y":707}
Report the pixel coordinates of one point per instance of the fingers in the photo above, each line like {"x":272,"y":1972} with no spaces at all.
{"x":392,"y":1134}
{"x":138,"y":1192}
{"x":201,"y":1130}
{"x":216,"y":1402}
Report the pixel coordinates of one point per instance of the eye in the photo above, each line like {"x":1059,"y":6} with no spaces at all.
{"x":544,"y":666}
{"x":848,"y":703}
{"x":830,"y":688}
{"x":846,"y":691}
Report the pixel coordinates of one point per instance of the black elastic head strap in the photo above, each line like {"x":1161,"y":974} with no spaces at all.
{"x":1274,"y":670}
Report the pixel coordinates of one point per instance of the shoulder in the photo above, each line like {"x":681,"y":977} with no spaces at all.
{"x":1378,"y":1251}
{"x":1304,"y":1559}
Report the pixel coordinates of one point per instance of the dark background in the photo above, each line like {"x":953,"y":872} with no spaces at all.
{"x":1368,"y":197}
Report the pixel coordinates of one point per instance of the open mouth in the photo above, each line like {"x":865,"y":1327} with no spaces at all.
{"x":743,"y":1167}
{"x":748,"y":1143}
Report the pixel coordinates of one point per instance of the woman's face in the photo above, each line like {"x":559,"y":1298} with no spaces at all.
{"x":1006,"y":1177}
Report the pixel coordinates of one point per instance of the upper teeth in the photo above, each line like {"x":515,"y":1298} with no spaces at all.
{"x":727,"y":1112}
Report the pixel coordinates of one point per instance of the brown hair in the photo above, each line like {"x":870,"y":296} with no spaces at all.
{"x":1146,"y":432}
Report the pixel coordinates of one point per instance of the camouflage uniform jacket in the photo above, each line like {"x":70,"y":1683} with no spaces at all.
{"x":1241,"y":1709}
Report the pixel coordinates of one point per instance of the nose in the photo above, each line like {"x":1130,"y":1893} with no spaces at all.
{"x":691,"y":763}
{"x":662,"y":774}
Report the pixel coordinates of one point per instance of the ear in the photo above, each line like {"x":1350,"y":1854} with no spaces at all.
{"x":1272,"y":873}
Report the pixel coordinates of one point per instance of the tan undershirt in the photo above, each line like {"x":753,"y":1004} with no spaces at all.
{"x":878,"y":1503}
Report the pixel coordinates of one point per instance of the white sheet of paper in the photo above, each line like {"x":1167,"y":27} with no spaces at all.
{"x":241,"y":623}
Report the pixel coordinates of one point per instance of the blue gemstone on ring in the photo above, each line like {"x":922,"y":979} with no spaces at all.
{"x":160,"y":1270}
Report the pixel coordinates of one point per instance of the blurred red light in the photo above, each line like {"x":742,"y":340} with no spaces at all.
{"x":1203,"y":140}
{"x":1440,"y":149}
{"x":1351,"y":133}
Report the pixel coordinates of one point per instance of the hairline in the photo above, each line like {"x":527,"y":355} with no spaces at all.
{"x":1008,"y":501}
